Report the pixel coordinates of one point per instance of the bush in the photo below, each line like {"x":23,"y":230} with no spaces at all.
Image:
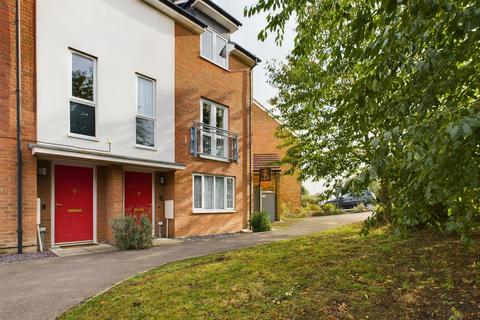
{"x":359,"y":208}
{"x":260,"y":221}
{"x":328,"y":209}
{"x":130,"y":235}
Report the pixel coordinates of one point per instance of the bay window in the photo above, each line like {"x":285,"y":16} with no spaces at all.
{"x":213,"y":193}
{"x":145,"y":118}
{"x":83,"y":100}
{"x":214,"y":48}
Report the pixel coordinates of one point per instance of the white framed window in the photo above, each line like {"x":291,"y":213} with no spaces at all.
{"x":214,"y":117}
{"x":213,"y":193}
{"x":214,"y":48}
{"x":145,"y":117}
{"x":83,"y":95}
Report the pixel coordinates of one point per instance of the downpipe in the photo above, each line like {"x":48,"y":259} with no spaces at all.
{"x":250,"y":139}
{"x":19,"y":129}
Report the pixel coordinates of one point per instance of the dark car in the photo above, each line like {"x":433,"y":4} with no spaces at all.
{"x":348,"y":201}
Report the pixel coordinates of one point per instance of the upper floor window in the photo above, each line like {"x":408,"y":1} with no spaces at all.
{"x":214,"y":142}
{"x":83,"y":99}
{"x":145,"y":118}
{"x":214,"y":48}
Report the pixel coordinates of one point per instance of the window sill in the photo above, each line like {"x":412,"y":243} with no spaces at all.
{"x":139,"y":146}
{"x":229,"y":211}
{"x":220,"y":159}
{"x":213,"y":62}
{"x":82,"y":137}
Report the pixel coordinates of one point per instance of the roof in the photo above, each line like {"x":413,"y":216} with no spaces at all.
{"x":266,"y":160}
{"x":216,"y":8}
{"x":268,"y":112}
{"x":247,"y":53}
{"x":271,"y":115}
{"x":178,"y":13}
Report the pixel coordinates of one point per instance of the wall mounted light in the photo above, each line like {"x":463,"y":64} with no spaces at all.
{"x":162,"y":180}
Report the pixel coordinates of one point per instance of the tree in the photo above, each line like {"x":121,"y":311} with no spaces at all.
{"x":385,"y":91}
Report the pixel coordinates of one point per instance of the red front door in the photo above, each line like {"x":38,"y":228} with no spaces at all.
{"x":73,"y":204}
{"x":138,"y":194}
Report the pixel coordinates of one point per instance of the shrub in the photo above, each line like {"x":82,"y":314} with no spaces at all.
{"x":328,"y":209}
{"x":260,"y":221}
{"x":331,"y":209}
{"x":130,"y":235}
{"x":309,"y":199}
{"x":359,"y":208}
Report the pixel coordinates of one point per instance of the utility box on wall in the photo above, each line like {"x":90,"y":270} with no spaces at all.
{"x":169,"y":209}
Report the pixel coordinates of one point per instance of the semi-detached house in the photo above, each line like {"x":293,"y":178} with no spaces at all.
{"x":133,"y":107}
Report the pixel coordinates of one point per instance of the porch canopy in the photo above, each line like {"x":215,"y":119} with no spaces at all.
{"x":75,"y":153}
{"x":266,"y":160}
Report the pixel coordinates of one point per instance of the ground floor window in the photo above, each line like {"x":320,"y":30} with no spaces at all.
{"x":213,"y":193}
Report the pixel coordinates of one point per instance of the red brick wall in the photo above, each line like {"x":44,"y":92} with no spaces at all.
{"x":109,"y":199}
{"x":164,"y":192}
{"x":197,"y":78}
{"x":264,"y":141}
{"x":8,"y":193}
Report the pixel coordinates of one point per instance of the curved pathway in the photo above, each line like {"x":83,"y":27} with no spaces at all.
{"x":44,"y":289}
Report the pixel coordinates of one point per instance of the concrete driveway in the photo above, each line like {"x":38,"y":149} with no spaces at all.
{"x":44,"y":289}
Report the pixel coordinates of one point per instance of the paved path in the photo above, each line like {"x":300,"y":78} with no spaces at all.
{"x":46,"y":288}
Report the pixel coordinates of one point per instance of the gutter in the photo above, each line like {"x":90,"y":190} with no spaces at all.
{"x":19,"y":129}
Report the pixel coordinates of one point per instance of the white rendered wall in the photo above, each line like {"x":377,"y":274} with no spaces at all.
{"x":126,"y":37}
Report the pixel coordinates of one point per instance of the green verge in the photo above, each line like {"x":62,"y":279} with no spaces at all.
{"x":333,"y":275}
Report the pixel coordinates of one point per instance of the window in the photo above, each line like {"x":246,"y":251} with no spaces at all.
{"x":214,"y":142}
{"x":83,"y":95}
{"x":145,"y":118}
{"x":213,"y":193}
{"x":214,"y":48}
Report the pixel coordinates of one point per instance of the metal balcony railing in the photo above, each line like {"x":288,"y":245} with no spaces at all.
{"x":213,"y":143}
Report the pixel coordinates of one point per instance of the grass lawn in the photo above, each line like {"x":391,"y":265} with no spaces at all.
{"x":333,"y":275}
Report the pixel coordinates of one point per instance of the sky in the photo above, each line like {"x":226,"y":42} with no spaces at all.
{"x":267,"y":51}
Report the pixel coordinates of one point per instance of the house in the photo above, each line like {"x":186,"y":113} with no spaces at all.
{"x":137,"y":107}
{"x":274,"y":191}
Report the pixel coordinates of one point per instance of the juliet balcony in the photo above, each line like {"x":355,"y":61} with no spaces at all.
{"x":213,"y":143}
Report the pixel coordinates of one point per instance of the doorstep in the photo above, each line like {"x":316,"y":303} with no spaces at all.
{"x":72,"y":251}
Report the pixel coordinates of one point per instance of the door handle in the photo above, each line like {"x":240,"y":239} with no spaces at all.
{"x":58,"y":204}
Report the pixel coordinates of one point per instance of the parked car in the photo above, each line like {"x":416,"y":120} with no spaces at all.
{"x":348,"y":201}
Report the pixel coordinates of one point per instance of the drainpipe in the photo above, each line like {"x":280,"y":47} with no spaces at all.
{"x":250,"y":134}
{"x":19,"y":128}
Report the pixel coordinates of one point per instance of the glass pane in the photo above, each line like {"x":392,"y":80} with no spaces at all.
{"x":230,"y":193}
{"x":197,"y":189}
{"x":219,"y":193}
{"x":82,"y":119}
{"x":145,"y":132}
{"x":206,"y":114}
{"x":146,"y":97}
{"x":207,"y":144}
{"x":220,"y":119}
{"x":208,"y":192}
{"x":82,"y":77}
{"x":220,"y":147}
{"x":221,"y":52}
{"x":207,"y":44}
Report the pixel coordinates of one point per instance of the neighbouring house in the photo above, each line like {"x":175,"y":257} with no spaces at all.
{"x":274,"y":191}
{"x":136,"y":107}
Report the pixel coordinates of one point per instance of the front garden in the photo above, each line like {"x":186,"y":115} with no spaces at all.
{"x":333,"y":275}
